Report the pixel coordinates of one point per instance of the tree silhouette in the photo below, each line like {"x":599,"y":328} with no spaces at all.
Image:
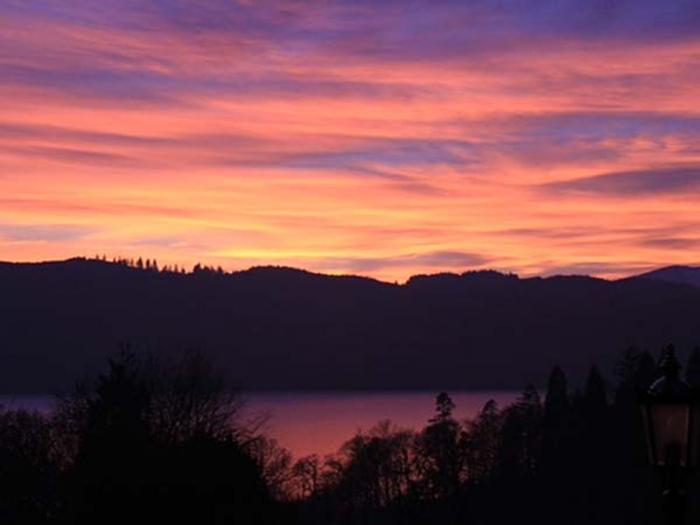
{"x":154,"y":440}
{"x":595,"y":395}
{"x":484,"y":443}
{"x":635,"y":370}
{"x":306,"y":477}
{"x":30,"y":480}
{"x":442,"y":450}
{"x":158,"y":441}
{"x":556,"y":402}
{"x":520,"y":445}
{"x":275,"y":465}
{"x":692,"y":370}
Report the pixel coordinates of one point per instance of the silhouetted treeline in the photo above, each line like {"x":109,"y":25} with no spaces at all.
{"x":573,"y":456}
{"x":151,"y":265}
{"x":164,"y":442}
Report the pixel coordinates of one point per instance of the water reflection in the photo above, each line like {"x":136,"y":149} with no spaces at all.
{"x":320,"y":422}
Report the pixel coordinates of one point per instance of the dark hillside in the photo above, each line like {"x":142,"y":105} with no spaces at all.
{"x":285,"y":328}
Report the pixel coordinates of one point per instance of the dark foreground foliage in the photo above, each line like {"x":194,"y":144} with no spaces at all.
{"x":152,"y":442}
{"x":147,"y":442}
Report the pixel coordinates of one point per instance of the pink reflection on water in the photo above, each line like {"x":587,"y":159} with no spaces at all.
{"x":320,"y":422}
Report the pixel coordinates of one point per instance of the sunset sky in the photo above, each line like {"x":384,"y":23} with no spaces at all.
{"x":381,"y":138}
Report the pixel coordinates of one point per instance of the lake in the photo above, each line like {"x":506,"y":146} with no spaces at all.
{"x":320,"y":422}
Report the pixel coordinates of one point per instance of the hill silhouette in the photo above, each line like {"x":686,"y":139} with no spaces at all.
{"x":675,"y":274}
{"x":272,"y":327}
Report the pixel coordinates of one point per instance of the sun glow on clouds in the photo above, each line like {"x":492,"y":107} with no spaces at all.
{"x":371,"y":138}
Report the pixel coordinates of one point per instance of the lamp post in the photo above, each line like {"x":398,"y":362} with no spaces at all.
{"x":671,"y":419}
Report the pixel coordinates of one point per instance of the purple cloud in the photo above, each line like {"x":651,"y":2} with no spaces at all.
{"x":44,"y":232}
{"x":347,"y":31}
{"x":437,"y":260}
{"x":672,"y":243}
{"x":651,"y":181}
{"x":595,"y":268}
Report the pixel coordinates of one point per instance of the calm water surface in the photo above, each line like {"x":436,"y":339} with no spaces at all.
{"x":320,"y":422}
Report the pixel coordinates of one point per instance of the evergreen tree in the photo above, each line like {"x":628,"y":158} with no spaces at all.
{"x":595,"y":394}
{"x":483,"y":443}
{"x":520,"y":445}
{"x":441,"y":446}
{"x":556,"y":431}
{"x":635,"y":371}
{"x":646,"y":372}
{"x":692,"y":371}
{"x":444,"y":407}
{"x":557,"y":399}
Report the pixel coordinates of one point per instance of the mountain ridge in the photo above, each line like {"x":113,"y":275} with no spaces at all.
{"x":675,"y":274}
{"x":670,"y":273}
{"x":279,"y":327}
